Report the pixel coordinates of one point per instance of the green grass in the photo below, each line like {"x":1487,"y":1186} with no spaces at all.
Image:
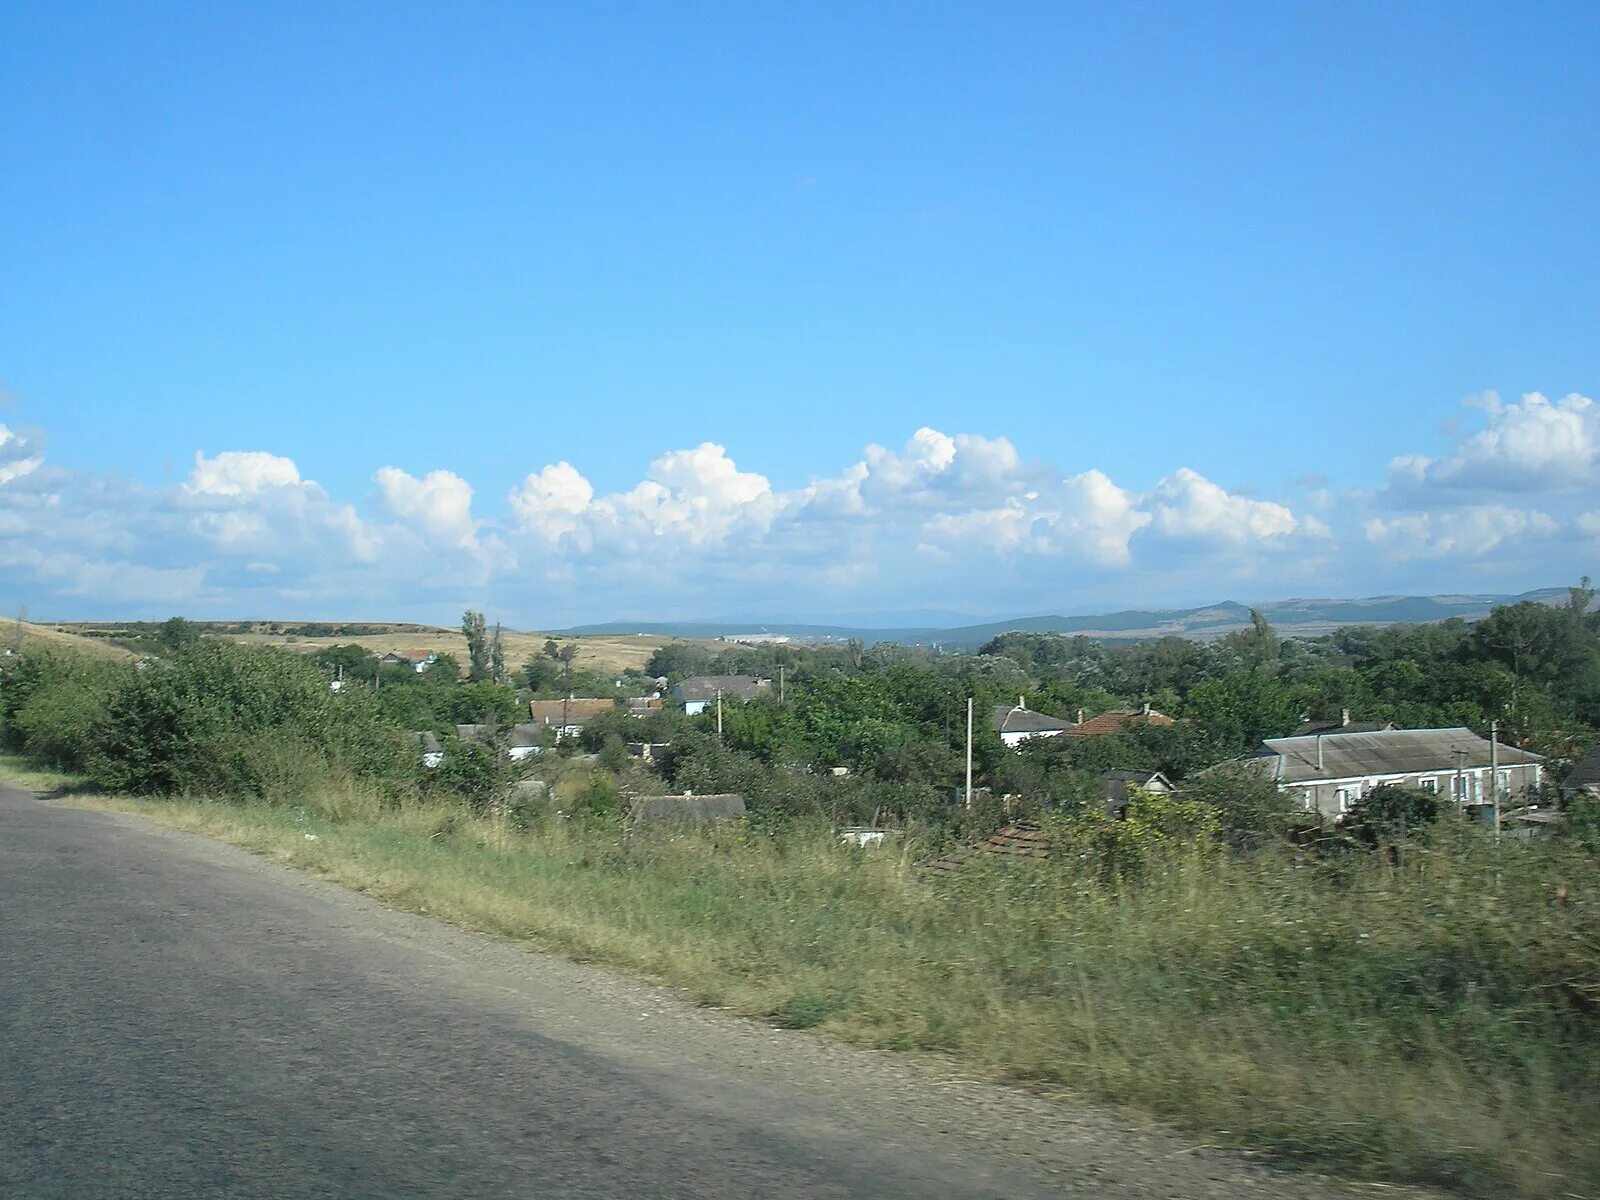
{"x":1421,"y":1025}
{"x":19,"y":772}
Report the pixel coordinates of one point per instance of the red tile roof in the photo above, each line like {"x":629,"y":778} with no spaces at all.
{"x":1116,"y":721}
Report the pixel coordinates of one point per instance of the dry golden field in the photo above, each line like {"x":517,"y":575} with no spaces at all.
{"x":598,"y":653}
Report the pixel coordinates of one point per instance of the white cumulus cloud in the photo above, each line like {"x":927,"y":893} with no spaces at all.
{"x":1535,"y":444}
{"x":440,"y":503}
{"x":1469,"y":532}
{"x":241,"y":472}
{"x":17,"y":456}
{"x":551,"y":501}
{"x":1187,"y":505}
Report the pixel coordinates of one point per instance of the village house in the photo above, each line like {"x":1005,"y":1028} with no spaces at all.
{"x":418,"y":660}
{"x":1017,"y":723}
{"x":698,"y":691}
{"x":1116,"y":720}
{"x":644,"y":706}
{"x":526,"y":740}
{"x":521,"y":741}
{"x":568,"y":717}
{"x":1326,"y":773}
{"x":1585,"y":775}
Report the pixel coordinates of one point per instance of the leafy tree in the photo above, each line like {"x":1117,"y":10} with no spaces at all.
{"x":497,"y":657}
{"x":677,"y":661}
{"x":349,"y":661}
{"x":1390,"y":813}
{"x":177,"y":634}
{"x":614,"y":754}
{"x":1250,"y":809}
{"x":443,"y":669}
{"x":1241,"y":709}
{"x":1257,"y":647}
{"x":473,"y":771}
{"x":475,"y":631}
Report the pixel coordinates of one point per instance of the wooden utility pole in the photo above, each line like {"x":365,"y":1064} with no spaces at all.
{"x":1494,"y":772}
{"x":780,"y":686}
{"x":719,"y":712}
{"x":969,"y":753}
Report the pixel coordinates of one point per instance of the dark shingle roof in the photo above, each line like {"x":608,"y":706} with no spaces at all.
{"x":526,"y":735}
{"x":1009,"y":718}
{"x":1587,"y":772}
{"x":1314,"y":727}
{"x":1117,"y":783}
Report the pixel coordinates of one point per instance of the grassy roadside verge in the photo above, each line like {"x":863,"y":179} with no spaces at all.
{"x":1374,"y":1028}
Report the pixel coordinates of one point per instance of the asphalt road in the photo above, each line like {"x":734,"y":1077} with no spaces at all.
{"x":181,"y":1019}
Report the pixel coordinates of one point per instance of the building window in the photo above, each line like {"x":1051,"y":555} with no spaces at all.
{"x":1429,"y":785}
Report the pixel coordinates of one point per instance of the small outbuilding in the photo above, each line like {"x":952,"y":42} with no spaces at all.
{"x":688,"y":809}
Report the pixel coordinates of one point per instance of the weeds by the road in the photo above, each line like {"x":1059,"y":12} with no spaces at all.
{"x":18,"y":771}
{"x":1434,"y":1022}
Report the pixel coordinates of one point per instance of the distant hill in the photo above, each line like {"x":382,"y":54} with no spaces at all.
{"x":1302,"y":617}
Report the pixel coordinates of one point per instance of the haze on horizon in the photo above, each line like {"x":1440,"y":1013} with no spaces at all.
{"x":574,"y":317}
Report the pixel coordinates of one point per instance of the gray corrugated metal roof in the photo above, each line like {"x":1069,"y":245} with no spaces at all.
{"x":1008,"y":718}
{"x":1385,"y":752}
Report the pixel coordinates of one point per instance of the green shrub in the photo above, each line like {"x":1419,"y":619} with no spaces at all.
{"x":474,"y":772}
{"x":230,"y":720}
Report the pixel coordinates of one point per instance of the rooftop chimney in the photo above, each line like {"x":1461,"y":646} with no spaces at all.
{"x":1080,"y":716}
{"x":1022,"y":703}
{"x":1344,"y":716}
{"x":1147,"y":709}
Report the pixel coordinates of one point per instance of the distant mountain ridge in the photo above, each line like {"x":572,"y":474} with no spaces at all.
{"x":1299,"y":616}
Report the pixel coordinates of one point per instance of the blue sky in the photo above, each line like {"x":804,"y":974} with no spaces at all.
{"x":387,"y":268}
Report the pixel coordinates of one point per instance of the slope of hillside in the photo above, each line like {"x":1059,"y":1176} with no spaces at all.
{"x":20,"y":634}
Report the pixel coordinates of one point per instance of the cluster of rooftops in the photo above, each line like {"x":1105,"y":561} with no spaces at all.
{"x":1329,"y":764}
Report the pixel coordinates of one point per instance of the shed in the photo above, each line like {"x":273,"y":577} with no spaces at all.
{"x":429,"y":747}
{"x":1117,"y":783}
{"x":688,"y":809}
